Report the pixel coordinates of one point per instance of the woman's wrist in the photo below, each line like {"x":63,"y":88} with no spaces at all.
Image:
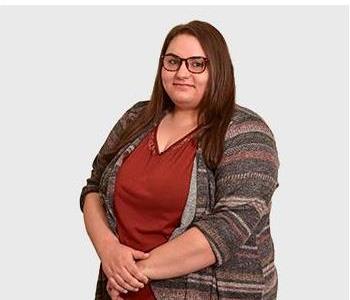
{"x":106,"y":241}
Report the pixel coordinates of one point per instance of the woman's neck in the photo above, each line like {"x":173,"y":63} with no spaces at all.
{"x":183,"y":118}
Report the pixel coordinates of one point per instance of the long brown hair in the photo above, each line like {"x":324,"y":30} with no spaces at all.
{"x":217,"y":105}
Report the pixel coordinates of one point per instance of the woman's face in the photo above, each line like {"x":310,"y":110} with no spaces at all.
{"x":184,"y":88}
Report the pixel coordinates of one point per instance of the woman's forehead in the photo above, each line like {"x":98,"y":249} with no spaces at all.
{"x":185,"y":45}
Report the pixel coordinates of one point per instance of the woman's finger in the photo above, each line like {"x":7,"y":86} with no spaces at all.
{"x":120,"y":280}
{"x":113,"y":293}
{"x":134,"y":271}
{"x":131,"y":280}
{"x":113,"y":284}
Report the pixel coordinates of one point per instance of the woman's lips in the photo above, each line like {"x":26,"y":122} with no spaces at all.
{"x":183,"y":85}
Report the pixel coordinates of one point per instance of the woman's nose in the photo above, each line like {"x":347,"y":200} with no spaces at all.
{"x":183,"y":71}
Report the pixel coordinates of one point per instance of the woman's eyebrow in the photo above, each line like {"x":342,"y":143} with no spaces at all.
{"x":170,"y":53}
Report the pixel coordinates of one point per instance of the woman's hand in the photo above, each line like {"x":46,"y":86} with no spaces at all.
{"x":118,"y":263}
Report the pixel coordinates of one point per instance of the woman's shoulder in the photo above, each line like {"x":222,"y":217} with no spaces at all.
{"x":242,"y":113}
{"x":133,"y":111}
{"x":250,"y":135}
{"x":138,"y":106}
{"x":247,"y":120}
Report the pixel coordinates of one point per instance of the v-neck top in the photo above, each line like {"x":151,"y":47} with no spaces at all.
{"x":151,"y":189}
{"x":154,"y":143}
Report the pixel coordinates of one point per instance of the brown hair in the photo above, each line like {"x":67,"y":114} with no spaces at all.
{"x":217,"y":105}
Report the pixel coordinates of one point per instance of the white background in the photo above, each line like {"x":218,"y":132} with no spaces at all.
{"x":68,"y":73}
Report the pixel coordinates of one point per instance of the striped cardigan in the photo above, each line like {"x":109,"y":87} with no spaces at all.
{"x":231,"y":207}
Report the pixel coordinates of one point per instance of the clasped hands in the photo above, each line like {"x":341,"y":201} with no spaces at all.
{"x":120,"y":267}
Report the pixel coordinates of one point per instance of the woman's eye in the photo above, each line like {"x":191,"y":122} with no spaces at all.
{"x":173,"y":61}
{"x":197,"y":64}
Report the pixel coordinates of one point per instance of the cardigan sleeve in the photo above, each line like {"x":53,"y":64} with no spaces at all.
{"x":245,"y":180}
{"x":107,"y":152}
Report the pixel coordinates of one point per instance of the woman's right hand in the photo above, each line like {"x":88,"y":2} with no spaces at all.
{"x":119,"y":265}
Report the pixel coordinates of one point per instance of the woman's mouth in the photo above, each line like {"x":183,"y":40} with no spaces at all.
{"x":180,"y":85}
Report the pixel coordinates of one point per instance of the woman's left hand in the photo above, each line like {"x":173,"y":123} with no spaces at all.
{"x":113,"y":293}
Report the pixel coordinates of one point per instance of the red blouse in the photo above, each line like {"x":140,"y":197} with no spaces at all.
{"x":151,"y":192}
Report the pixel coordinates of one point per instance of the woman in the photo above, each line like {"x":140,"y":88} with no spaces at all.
{"x":178,"y":202}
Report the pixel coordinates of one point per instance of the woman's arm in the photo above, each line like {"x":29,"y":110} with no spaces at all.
{"x":96,"y":224}
{"x":117,"y":260}
{"x":186,"y":253}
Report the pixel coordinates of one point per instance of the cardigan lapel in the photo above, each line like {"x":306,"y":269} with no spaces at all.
{"x":197,"y":200}
{"x":107,"y":184}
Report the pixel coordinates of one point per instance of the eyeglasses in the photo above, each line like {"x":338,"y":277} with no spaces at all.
{"x":194,"y":64}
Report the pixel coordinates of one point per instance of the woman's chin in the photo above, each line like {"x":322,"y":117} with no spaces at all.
{"x":182,"y":100}
{"x":182,"y":97}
